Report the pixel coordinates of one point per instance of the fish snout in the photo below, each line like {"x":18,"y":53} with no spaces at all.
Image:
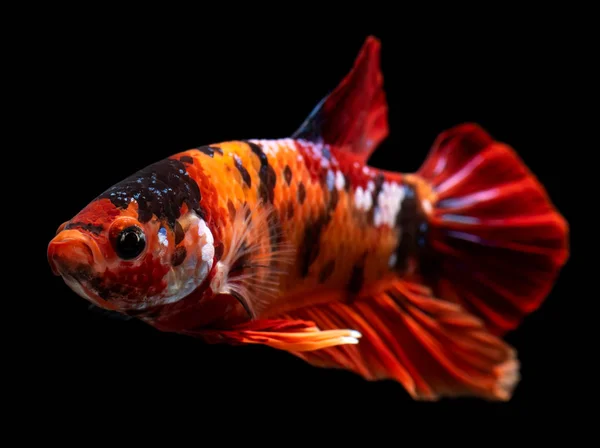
{"x":70,"y":251}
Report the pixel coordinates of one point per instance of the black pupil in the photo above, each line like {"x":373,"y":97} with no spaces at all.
{"x":131,"y":243}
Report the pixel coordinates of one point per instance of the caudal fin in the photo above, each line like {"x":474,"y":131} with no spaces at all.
{"x":496,"y":241}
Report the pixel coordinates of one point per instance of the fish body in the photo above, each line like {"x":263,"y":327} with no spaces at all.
{"x":336,"y":216}
{"x":297,"y":243}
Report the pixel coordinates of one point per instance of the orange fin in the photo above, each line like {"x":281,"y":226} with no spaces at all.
{"x":291,"y":335}
{"x":354,"y":117}
{"x":247,"y":271}
{"x":496,"y":241}
{"x":433,"y":348}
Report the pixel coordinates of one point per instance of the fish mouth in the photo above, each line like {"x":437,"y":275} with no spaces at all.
{"x":72,"y":252}
{"x":76,"y":257}
{"x":81,"y":286}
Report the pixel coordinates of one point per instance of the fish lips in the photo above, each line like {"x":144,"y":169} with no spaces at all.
{"x":71,"y":252}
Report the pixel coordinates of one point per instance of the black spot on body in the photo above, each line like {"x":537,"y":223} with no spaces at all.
{"x":287,"y":174}
{"x":332,"y":196}
{"x":347,"y":183}
{"x":301,"y":193}
{"x":357,"y":279}
{"x":201,"y":213}
{"x":379,"y":179}
{"x":231,"y":210}
{"x":326,"y":271}
{"x":159,"y":189}
{"x":96,"y":230}
{"x":267,"y":188}
{"x":97,"y":284}
{"x":179,"y":233}
{"x":178,"y":256}
{"x":186,"y":159}
{"x":311,"y":243}
{"x":412,"y":223}
{"x":219,"y":249}
{"x":290,"y":210}
{"x":266,"y":174}
{"x":210,"y":150}
{"x":243,"y":171}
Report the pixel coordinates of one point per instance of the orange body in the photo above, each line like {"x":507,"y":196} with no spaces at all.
{"x":314,"y":198}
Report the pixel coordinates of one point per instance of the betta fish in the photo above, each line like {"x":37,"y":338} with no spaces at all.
{"x":298,"y":244}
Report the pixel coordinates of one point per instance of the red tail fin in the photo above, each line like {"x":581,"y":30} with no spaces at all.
{"x":354,"y":116}
{"x":498,"y":242}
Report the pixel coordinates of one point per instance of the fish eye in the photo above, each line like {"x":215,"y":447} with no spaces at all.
{"x":130,"y":242}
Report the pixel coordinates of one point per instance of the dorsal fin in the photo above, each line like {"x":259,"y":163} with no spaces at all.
{"x":354,"y":117}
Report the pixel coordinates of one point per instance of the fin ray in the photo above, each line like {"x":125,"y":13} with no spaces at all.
{"x":433,"y":348}
{"x":495,"y":242}
{"x":256,"y":258}
{"x":291,"y":335}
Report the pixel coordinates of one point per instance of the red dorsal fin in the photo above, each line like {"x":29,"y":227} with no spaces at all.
{"x":354,"y":117}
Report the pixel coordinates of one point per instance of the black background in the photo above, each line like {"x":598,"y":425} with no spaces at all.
{"x":114,"y":98}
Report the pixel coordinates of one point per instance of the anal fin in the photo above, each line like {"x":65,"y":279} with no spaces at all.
{"x":291,"y":335}
{"x":432,"y":347}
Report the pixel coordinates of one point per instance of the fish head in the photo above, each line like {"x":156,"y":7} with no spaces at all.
{"x":136,"y":246}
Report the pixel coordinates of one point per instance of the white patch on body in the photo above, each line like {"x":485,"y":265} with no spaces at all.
{"x":218,"y":282}
{"x":363,"y":199}
{"x":377,"y":218}
{"x":185,"y":278}
{"x":330,"y":180}
{"x":340,"y":182}
{"x":317,"y":151}
{"x":389,"y":203}
{"x":427,"y":206}
{"x":162,"y":237}
{"x":367,"y":201}
{"x":269,"y":147}
{"x":358,"y":198}
{"x":203,"y":230}
{"x":288,"y":142}
{"x":314,"y":149}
